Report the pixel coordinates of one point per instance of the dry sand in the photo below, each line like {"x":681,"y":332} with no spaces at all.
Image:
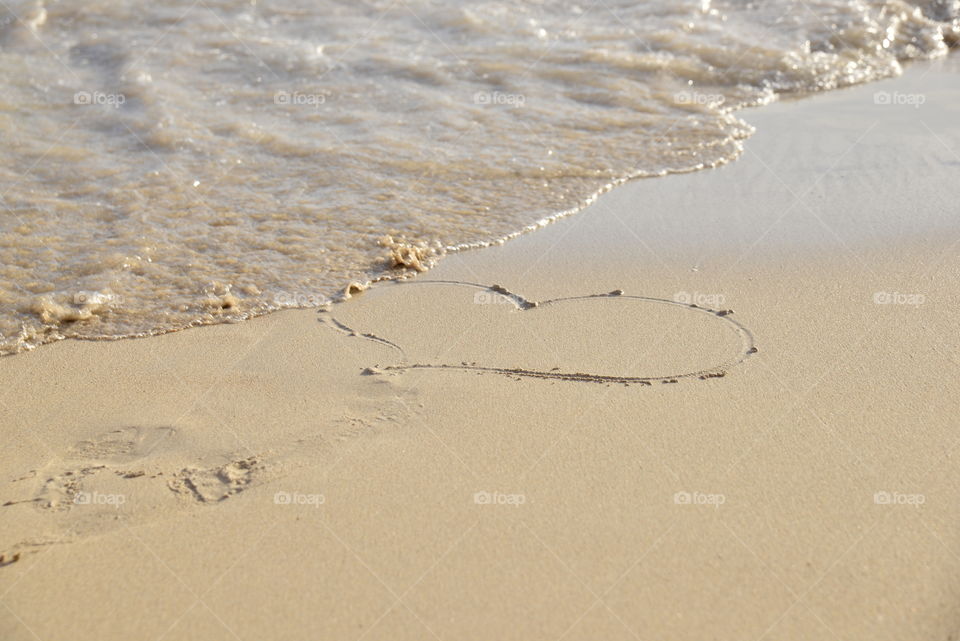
{"x":251,"y":481}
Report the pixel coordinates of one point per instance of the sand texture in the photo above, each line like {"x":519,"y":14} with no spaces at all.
{"x":719,"y":405}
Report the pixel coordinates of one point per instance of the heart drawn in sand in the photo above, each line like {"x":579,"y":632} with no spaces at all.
{"x":611,"y":337}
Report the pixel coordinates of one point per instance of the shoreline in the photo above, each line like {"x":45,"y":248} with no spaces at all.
{"x":407,"y":256}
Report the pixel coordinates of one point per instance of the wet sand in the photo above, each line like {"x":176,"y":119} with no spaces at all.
{"x":449,"y":460}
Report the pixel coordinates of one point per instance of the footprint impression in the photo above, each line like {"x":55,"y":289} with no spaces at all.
{"x":118,"y":477}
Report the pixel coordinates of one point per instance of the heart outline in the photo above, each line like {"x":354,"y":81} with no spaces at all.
{"x":523,"y":304}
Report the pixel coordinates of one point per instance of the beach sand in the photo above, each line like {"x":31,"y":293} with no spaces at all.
{"x":294,"y":476}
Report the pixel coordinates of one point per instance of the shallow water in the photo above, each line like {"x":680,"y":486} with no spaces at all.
{"x":173,"y":163}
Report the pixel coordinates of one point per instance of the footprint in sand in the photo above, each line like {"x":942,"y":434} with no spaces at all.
{"x":115,"y":452}
{"x":135,"y":452}
{"x":130,"y":475}
{"x":118,"y":478}
{"x":219,"y":483}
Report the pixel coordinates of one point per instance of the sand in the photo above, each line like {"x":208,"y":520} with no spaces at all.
{"x":296,"y":477}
